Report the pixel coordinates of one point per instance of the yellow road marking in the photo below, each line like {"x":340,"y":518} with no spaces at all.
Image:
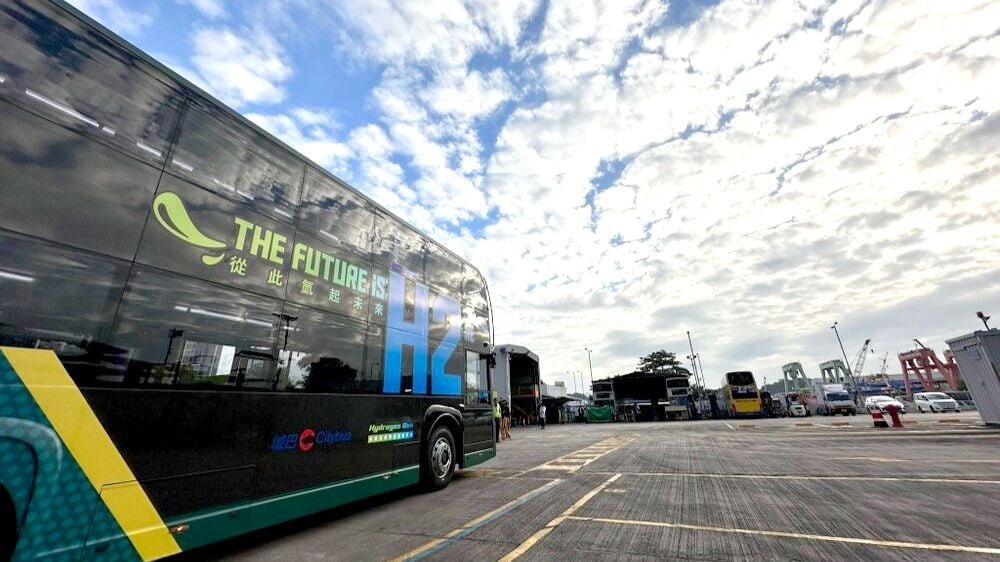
{"x":801,"y":477}
{"x":473,"y":523}
{"x":67,"y":410}
{"x":788,"y":535}
{"x":572,"y":462}
{"x":541,"y":533}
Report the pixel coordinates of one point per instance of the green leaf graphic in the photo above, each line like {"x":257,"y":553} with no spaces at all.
{"x":170,"y":211}
{"x":212,"y":260}
{"x":171,"y":214}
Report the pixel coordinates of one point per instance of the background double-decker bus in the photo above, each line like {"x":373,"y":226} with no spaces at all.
{"x":741,"y":395}
{"x":203,"y":333}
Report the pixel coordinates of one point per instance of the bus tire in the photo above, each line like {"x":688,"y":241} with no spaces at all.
{"x":8,"y":526}
{"x":438,"y":459}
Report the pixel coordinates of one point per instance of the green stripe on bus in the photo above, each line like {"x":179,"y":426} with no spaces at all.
{"x":479,"y":457}
{"x":226,"y":522}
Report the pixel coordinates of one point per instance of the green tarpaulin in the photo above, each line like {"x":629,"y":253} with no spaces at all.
{"x":598,"y":414}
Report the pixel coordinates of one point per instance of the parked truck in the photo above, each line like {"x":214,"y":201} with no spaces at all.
{"x":830,"y":400}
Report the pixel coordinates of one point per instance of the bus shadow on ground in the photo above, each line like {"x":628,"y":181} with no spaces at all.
{"x":236,"y":547}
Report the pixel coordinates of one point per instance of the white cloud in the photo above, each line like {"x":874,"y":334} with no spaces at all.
{"x":751,"y":176}
{"x":115,"y":16}
{"x":240,"y":66}
{"x":212,"y":9}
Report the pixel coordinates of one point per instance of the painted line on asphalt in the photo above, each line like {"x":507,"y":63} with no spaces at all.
{"x":788,"y":535}
{"x":805,"y":477}
{"x":730,"y":427}
{"x":541,"y":533}
{"x":438,"y":544}
{"x":885,"y":459}
{"x":571,"y":462}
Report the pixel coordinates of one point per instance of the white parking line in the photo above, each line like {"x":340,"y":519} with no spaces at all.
{"x":787,"y":535}
{"x":541,"y":533}
{"x":809,"y":477}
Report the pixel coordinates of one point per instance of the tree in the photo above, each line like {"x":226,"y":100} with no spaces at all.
{"x":662,"y":362}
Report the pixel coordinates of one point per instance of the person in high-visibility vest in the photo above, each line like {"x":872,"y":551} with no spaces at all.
{"x":496,"y":418}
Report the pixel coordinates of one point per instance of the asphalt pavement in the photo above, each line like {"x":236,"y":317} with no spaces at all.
{"x":792,"y":489}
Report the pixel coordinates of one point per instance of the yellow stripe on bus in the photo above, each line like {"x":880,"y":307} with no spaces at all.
{"x":72,"y":418}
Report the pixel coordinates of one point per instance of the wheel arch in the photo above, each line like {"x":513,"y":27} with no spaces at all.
{"x":449,"y":417}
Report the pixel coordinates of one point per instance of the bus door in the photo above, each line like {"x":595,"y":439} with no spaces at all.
{"x":477,"y":410}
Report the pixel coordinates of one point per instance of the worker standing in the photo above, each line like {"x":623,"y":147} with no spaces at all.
{"x":496,"y":419}
{"x":541,"y":416}
{"x":504,"y":419}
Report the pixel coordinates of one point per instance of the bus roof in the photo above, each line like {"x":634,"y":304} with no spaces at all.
{"x":184,"y":82}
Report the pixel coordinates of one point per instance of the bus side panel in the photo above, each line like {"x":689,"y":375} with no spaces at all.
{"x":62,"y":506}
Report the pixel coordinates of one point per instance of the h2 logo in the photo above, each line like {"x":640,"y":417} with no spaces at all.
{"x":413,"y":334}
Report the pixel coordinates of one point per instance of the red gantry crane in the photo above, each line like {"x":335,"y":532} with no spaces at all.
{"x":922,"y":363}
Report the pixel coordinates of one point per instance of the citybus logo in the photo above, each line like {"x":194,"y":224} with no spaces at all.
{"x":307,"y":439}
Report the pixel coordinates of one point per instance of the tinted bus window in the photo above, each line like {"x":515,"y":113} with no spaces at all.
{"x":476,"y":379}
{"x":335,"y":213}
{"x":60,"y":299}
{"x":56,"y":184}
{"x":228,"y":157}
{"x":474,"y":290}
{"x":184,"y":332}
{"x":72,"y":74}
{"x":323,"y":353}
{"x":328,"y":277}
{"x":476,"y":329}
{"x":196,"y":232}
{"x":397,"y":244}
{"x":443,"y":270}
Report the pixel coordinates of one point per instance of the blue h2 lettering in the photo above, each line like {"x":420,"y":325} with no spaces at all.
{"x":402,"y":333}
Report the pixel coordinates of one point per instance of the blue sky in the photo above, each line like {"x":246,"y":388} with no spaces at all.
{"x":626,"y":171}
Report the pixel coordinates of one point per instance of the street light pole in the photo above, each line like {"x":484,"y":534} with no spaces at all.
{"x":846,"y":362}
{"x":850,"y":370}
{"x":591,"y":364}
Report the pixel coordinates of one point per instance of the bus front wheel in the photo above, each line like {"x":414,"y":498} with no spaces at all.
{"x":439,"y":459}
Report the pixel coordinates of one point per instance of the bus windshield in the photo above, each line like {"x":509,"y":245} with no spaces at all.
{"x":741,"y":378}
{"x":743,"y":393}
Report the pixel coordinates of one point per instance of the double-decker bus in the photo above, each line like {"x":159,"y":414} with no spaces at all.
{"x":203,"y":333}
{"x":740,"y":395}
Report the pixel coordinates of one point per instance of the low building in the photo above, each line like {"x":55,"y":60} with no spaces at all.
{"x":517,"y":379}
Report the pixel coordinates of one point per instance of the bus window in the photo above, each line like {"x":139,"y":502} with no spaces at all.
{"x":395,"y":244}
{"x":324,"y":353}
{"x":475,"y":330}
{"x":335,"y":213}
{"x":443,"y":270}
{"x":242,"y":262}
{"x":180,"y":331}
{"x":82,"y":80}
{"x":329,"y":277}
{"x":477,"y":389}
{"x":474,"y":290}
{"x":57,"y":185}
{"x":230,"y":158}
{"x":58,"y":299}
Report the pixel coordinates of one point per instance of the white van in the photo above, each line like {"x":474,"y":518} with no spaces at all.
{"x":935,"y":402}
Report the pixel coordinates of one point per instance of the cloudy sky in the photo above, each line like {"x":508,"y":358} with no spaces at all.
{"x":625,"y":171}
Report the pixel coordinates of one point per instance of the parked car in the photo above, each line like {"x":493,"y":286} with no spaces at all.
{"x":797,"y":411}
{"x":935,"y":402}
{"x":882,"y":401}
